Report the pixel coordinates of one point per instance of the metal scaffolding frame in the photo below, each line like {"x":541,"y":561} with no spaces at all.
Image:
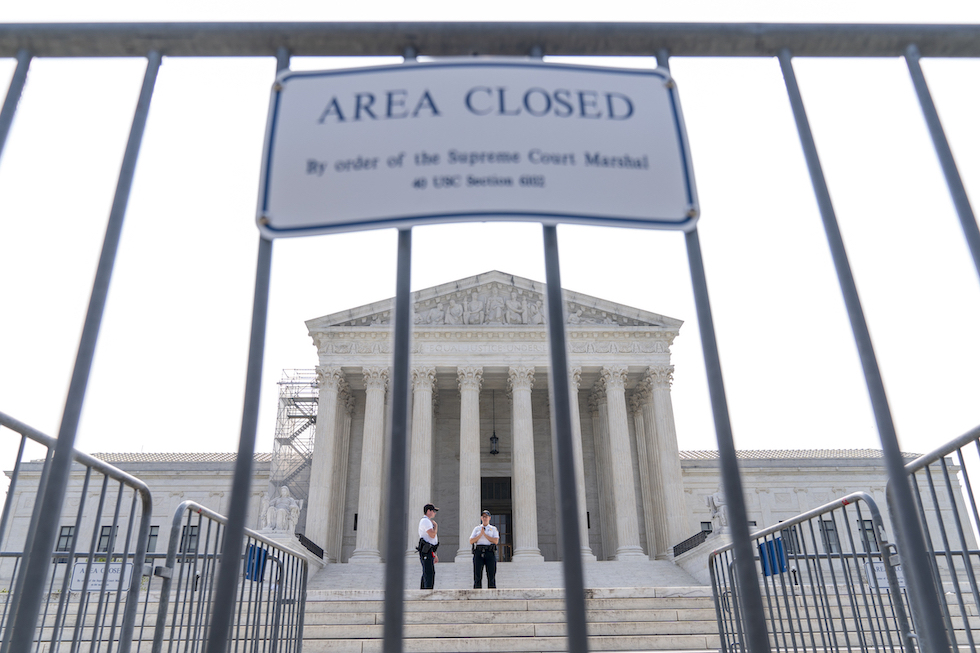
{"x":292,"y":450}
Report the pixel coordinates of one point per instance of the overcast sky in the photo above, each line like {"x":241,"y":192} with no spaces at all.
{"x":169,"y":370}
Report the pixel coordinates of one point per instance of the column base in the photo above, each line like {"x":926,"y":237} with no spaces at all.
{"x":527,"y":555}
{"x":365,"y":557}
{"x":463,"y":555}
{"x":631,"y":553}
{"x":587,"y":555}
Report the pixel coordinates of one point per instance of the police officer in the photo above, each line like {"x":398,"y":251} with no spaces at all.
{"x":484,"y":540}
{"x":428,"y":543}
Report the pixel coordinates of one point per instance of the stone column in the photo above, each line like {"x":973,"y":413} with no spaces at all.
{"x":335,"y":532}
{"x":678,"y":526}
{"x":318,"y":507}
{"x":420,"y":457}
{"x":627,"y":528}
{"x":636,"y":401}
{"x":607,"y":507}
{"x":658,"y":507}
{"x":372,"y":460}
{"x":574,"y":380}
{"x":525,"y":498}
{"x":470,"y":380}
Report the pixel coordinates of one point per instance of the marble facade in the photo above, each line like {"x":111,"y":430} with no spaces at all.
{"x":480,"y":365}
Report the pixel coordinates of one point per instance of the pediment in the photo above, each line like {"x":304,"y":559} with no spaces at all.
{"x":493,"y":299}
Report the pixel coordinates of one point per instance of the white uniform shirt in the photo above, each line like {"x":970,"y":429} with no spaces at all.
{"x":425,"y":525}
{"x":491,"y":531}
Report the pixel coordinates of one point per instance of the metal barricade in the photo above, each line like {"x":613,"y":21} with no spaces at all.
{"x":950,"y":522}
{"x":829,"y":582}
{"x":95,"y":575}
{"x":785,"y":42}
{"x":268,"y":607}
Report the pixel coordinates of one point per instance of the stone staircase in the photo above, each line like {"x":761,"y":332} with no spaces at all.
{"x":468,"y":620}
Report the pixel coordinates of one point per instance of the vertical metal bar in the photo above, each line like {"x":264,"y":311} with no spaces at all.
{"x":231,"y":552}
{"x":398,"y":483}
{"x":13,"y":95}
{"x":39,"y":557}
{"x":908,"y":530}
{"x":962,"y":203}
{"x":561,"y":420}
{"x":14,"y":475}
{"x":750,"y":596}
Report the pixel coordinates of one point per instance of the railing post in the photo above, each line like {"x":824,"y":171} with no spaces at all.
{"x":964,"y":211}
{"x":925,"y":604}
{"x":38,"y":560}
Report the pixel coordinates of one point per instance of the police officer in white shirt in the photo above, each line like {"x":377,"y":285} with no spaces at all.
{"x":484,"y":540}
{"x":428,"y":543}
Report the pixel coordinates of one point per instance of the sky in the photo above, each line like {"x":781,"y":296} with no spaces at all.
{"x":169,"y":371}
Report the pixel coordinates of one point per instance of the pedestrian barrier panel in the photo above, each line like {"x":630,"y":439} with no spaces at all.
{"x":828,"y":582}
{"x":267,"y":609}
{"x":947,"y":510}
{"x":94,"y":580}
{"x":910,"y":42}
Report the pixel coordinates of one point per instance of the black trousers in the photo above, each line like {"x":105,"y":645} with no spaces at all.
{"x":484,"y":556}
{"x":428,"y":570}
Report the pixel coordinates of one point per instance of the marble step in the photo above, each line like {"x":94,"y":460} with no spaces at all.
{"x":521,"y":644}
{"x":497,"y":630}
{"x":508,"y":616}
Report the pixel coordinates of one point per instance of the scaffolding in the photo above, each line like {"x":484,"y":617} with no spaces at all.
{"x":292,"y":452}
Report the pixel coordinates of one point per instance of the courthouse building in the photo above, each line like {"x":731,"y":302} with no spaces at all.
{"x":481,"y":437}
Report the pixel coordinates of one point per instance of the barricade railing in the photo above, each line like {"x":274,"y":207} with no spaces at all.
{"x":949,"y":517}
{"x":828,"y":581}
{"x":911,"y":42}
{"x":268,"y":606}
{"x":92,"y":587}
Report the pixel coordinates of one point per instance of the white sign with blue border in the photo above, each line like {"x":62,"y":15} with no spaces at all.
{"x":474,"y":140}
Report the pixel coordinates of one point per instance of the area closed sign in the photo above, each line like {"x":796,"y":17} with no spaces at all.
{"x":419,"y":143}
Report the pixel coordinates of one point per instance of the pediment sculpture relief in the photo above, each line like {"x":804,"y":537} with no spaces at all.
{"x":476,"y":307}
{"x":495,"y":304}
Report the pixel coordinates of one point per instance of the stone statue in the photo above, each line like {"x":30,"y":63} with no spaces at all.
{"x":281,"y":513}
{"x":515,"y":310}
{"x":719,"y":511}
{"x":454,"y":314}
{"x":474,"y":310}
{"x":534,"y":314}
{"x":495,"y":308}
{"x":432,"y":316}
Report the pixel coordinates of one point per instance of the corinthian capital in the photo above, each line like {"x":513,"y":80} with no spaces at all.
{"x":660,"y":377}
{"x":575,"y":377}
{"x":375,"y":378}
{"x":635,"y":401}
{"x":470,"y":378}
{"x":521,"y":378}
{"x":329,"y":377}
{"x":423,"y":378}
{"x":614,"y":377}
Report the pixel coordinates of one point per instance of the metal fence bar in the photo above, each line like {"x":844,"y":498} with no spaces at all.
{"x":13,"y":95}
{"x":242,"y":480}
{"x":908,"y":530}
{"x":749,"y":595}
{"x":561,"y":424}
{"x":511,"y":38}
{"x":956,"y":189}
{"x":35,"y":567}
{"x":398,"y":484}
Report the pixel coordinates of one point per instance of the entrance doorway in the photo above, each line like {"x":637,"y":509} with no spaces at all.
{"x":495,"y":496}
